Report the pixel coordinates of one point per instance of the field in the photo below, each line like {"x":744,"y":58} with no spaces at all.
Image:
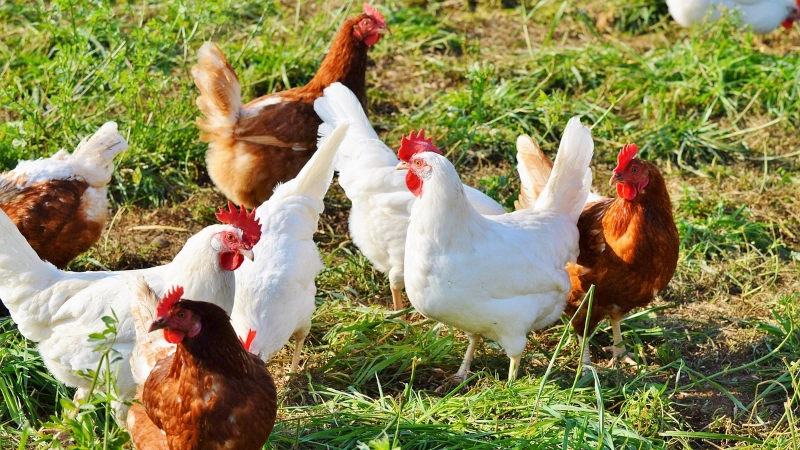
{"x":717,"y":108}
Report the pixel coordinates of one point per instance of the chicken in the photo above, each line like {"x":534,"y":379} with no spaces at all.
{"x":254,"y":147}
{"x":211,"y":393}
{"x":59,"y":309}
{"x":763,"y":15}
{"x":275,"y":293}
{"x":59,"y":203}
{"x":494,"y":276}
{"x":381,"y":202}
{"x":628,"y":245}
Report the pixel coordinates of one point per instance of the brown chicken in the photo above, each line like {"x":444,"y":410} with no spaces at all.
{"x":628,"y":245}
{"x":211,"y":393}
{"x":254,"y":147}
{"x":59,"y":203}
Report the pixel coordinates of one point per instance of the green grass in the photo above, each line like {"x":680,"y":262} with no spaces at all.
{"x":715,"y":107}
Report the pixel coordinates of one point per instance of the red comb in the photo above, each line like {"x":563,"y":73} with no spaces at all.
{"x":374,"y":13}
{"x":251,"y":334}
{"x":411,"y":145}
{"x":251,"y":228}
{"x":169,"y":298}
{"x":625,"y":156}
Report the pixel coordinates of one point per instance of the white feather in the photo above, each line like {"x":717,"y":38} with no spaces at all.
{"x":275,"y":292}
{"x":381,"y":202}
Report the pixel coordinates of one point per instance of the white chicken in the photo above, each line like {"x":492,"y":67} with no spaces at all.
{"x":275,"y":292}
{"x":59,"y":309}
{"x":763,"y":15}
{"x":381,"y":204}
{"x":495,"y":276}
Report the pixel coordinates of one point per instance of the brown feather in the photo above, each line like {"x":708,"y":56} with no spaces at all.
{"x":269,"y":144}
{"x":534,"y":167}
{"x":211,"y":393}
{"x":51,"y":216}
{"x":628,"y":250}
{"x":144,"y":432}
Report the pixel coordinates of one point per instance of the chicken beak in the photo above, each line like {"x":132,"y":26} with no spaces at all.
{"x":384,"y":30}
{"x":614,"y":179}
{"x":247,"y":253}
{"x":402,"y":166}
{"x":158,"y":324}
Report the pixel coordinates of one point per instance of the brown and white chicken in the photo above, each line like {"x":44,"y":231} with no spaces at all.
{"x":255,"y":146}
{"x":60,"y":203}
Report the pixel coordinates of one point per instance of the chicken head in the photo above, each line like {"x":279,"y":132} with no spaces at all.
{"x":631,"y":174}
{"x":370,"y":28}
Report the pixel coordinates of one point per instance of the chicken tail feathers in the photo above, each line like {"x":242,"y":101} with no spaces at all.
{"x":22,"y":273}
{"x":92,"y":160}
{"x":149,"y":348}
{"x":95,"y":155}
{"x":315,"y":177}
{"x":144,"y":433}
{"x":220,"y":97}
{"x":339,"y":105}
{"x":568,"y":187}
{"x":534,"y":169}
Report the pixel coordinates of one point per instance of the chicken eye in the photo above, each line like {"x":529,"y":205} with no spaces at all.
{"x":230,"y":237}
{"x":365,"y":23}
{"x":418,"y":163}
{"x":635,"y":170}
{"x":181,"y":314}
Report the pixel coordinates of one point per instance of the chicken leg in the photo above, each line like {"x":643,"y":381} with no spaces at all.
{"x":299,"y":340}
{"x":463,"y":371}
{"x":397,"y":298}
{"x":618,"y":351}
{"x":513,"y":367}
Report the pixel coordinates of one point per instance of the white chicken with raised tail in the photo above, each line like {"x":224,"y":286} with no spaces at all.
{"x":60,"y":309}
{"x":275,"y":292}
{"x":495,"y":276}
{"x":381,"y":204}
{"x":763,"y":15}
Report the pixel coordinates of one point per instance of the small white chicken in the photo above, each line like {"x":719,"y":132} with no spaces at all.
{"x":494,"y":276}
{"x":763,"y":15}
{"x":368,"y":175}
{"x":275,"y":292}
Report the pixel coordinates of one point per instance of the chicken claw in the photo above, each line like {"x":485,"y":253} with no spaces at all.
{"x":618,"y":349}
{"x":620,"y":357}
{"x":463,"y":371}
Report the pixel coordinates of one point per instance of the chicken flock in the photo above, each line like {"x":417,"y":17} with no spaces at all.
{"x":238,"y":291}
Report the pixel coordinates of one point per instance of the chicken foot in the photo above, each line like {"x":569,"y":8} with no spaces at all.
{"x":513,"y":367}
{"x":618,"y":351}
{"x":463,"y":371}
{"x":397,"y":299}
{"x":299,"y":340}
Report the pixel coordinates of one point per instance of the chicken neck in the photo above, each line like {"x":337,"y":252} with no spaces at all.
{"x":346,"y":63}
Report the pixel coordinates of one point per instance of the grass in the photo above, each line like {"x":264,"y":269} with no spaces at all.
{"x":716,"y":107}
